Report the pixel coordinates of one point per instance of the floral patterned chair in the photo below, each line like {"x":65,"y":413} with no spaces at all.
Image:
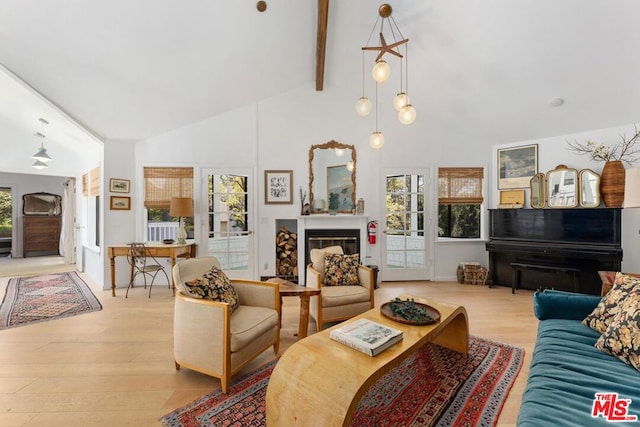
{"x":346,"y":286}
{"x":219,"y":338}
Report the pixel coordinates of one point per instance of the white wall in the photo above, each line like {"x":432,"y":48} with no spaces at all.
{"x":277,"y":134}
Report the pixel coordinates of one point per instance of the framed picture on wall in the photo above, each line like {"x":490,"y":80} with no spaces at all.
{"x":516,"y":166}
{"x":277,"y":187}
{"x":339,"y":188}
{"x":119,"y":185}
{"x":120,"y":203}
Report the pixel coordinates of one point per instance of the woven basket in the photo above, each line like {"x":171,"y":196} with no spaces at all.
{"x":612,"y":184}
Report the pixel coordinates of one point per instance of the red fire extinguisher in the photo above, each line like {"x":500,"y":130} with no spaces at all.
{"x":371,"y":231}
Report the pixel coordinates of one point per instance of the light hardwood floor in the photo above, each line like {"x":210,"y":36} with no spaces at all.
{"x":115,"y":367}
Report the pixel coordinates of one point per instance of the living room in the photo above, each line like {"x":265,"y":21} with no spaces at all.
{"x":481,"y":77}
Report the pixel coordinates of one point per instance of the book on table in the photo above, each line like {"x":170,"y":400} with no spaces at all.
{"x":366,"y":336}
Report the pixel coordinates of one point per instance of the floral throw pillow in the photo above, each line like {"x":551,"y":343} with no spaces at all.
{"x":611,"y":304}
{"x":622,"y":337}
{"x":213,"y":285}
{"x":341,"y":270}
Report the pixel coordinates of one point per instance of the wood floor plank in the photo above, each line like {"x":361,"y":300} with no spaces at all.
{"x":115,"y":366}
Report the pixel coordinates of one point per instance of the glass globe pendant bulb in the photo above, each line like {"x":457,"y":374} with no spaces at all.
{"x":363,"y":106}
{"x":376,"y":140}
{"x":339,"y":152}
{"x":407,"y":114}
{"x":380,"y":71}
{"x":400,"y":101}
{"x":350,"y":165}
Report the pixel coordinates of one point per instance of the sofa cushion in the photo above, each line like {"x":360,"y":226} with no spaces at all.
{"x":317,"y":258}
{"x":565,"y":373}
{"x":552,"y":304}
{"x":600,"y":318}
{"x":250,"y":322}
{"x":213,"y":285}
{"x":341,"y":270}
{"x":622,"y":337}
{"x":333,"y":296}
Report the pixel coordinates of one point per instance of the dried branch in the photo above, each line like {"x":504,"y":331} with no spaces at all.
{"x":627,"y":150}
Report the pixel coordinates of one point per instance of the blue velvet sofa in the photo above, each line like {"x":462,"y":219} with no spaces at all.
{"x":567,"y":370}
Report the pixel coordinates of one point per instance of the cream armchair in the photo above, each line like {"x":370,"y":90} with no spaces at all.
{"x":337,"y":303}
{"x":208,"y":338}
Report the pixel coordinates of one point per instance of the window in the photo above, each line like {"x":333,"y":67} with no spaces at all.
{"x":459,"y":202}
{"x":160,"y":185}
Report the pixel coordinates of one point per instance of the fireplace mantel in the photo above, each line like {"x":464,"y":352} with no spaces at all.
{"x":327,"y":222}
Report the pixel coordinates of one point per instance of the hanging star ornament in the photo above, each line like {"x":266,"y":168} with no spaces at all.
{"x":386,"y":48}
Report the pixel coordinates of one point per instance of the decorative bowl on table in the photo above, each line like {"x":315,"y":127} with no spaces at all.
{"x":168,"y":241}
{"x":410,"y":312}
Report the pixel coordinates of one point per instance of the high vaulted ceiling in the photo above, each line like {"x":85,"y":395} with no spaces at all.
{"x":134,"y":69}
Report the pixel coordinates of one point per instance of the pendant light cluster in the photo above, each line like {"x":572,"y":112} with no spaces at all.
{"x":381,"y":72}
{"x":41,"y":157}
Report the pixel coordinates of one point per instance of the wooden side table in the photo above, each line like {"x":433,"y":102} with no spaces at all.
{"x":289,"y":289}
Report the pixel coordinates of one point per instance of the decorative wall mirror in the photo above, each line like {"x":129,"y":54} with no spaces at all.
{"x":562,"y":187}
{"x":41,"y":204}
{"x":538,"y":194}
{"x":589,"y":189}
{"x":332,"y":177}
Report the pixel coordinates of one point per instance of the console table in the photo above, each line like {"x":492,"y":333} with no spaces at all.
{"x":158,"y":250}
{"x":318,"y":381}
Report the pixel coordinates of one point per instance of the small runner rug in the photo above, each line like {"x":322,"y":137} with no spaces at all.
{"x":434,"y":386}
{"x":52,"y":296}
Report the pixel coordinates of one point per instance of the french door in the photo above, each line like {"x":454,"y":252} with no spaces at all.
{"x":229,"y":220}
{"x":405,"y":242}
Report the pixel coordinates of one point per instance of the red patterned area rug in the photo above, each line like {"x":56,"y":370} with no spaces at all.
{"x":52,"y":296}
{"x":433,"y":387}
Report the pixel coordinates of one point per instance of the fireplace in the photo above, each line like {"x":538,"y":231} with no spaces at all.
{"x":348,"y":231}
{"x":348,"y":239}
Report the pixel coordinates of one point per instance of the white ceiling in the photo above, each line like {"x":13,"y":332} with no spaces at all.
{"x":129,"y":70}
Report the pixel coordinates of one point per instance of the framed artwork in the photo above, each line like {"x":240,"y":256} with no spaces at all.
{"x":277,"y":187}
{"x":119,"y":185}
{"x":339,"y":188}
{"x":516,"y":166}
{"x":120,"y":203}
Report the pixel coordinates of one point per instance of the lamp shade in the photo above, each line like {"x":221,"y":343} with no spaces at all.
{"x":376,"y":140}
{"x":380,"y":71}
{"x":632,"y":188}
{"x":41,"y":155}
{"x":363,"y":106}
{"x":40,"y":165}
{"x":181,"y":206}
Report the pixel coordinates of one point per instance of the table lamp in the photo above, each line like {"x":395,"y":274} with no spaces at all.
{"x":181,"y":207}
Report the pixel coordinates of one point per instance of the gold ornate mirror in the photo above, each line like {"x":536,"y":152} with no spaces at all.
{"x":332,"y":177}
{"x":537,"y":184}
{"x":589,"y":189}
{"x":562,"y":187}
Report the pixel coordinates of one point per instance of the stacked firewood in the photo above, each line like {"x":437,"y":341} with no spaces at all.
{"x":286,"y":252}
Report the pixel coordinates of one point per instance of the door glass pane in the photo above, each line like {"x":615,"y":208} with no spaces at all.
{"x":405,"y":239}
{"x":228,"y":220}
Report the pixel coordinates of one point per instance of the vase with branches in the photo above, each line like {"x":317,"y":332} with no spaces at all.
{"x":612,"y":178}
{"x":626,"y":151}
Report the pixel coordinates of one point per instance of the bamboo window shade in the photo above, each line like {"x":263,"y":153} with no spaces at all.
{"x":163,"y":183}
{"x":91,"y":183}
{"x":85,"y":185}
{"x":460,"y":186}
{"x":94,"y":182}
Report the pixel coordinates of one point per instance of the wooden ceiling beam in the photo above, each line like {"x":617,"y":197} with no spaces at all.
{"x":321,"y":42}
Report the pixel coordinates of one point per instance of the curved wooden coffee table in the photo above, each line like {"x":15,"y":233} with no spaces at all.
{"x":318,"y":381}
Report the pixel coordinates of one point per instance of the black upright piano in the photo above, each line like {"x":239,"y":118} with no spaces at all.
{"x":586,"y":240}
